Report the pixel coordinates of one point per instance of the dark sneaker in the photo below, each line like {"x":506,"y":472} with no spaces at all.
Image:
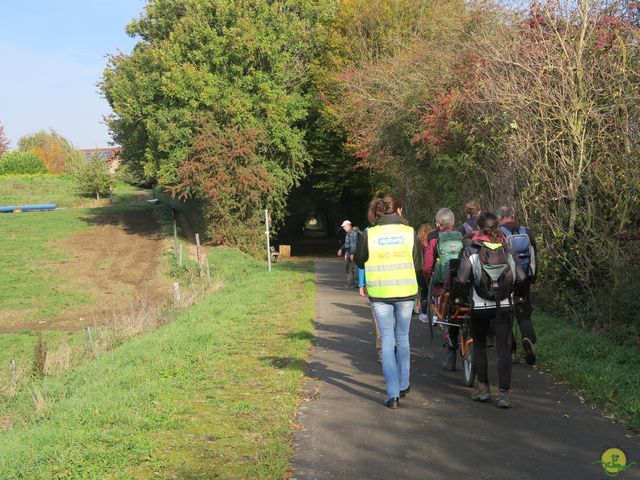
{"x":530,"y":356}
{"x":481,"y":394}
{"x":504,"y":399}
{"x":450,"y":362}
{"x":403,"y":393}
{"x":392,"y":402}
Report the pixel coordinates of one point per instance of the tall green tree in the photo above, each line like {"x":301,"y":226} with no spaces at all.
{"x":244,"y":65}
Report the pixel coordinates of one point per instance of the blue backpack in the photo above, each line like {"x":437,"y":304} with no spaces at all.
{"x":520,"y":243}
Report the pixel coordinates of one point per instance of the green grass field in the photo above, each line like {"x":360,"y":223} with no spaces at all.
{"x":58,"y":189}
{"x":210,"y":395}
{"x":28,"y":260}
{"x":28,"y":263}
{"x":31,"y":288}
{"x":605,"y":373}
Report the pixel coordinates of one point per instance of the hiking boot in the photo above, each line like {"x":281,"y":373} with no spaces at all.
{"x":504,"y":399}
{"x":530,"y":356}
{"x":423,"y":318}
{"x":482,"y":393}
{"x":450,"y":362}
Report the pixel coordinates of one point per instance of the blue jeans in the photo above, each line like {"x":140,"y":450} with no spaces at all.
{"x":394,"y":319}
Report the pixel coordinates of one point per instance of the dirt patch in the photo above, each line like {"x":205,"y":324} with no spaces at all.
{"x":118,"y":262}
{"x":5,"y":423}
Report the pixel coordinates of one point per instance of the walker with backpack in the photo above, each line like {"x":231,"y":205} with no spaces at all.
{"x":444,"y":309}
{"x":494,"y":273}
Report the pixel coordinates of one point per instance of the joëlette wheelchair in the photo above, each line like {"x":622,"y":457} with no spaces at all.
{"x":448,"y":310}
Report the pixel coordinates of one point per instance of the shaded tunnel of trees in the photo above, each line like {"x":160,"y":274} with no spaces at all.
{"x":314,"y":218}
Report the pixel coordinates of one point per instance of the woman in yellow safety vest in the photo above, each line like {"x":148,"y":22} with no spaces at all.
{"x":391,"y":256}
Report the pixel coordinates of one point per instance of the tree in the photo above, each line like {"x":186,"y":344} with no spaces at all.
{"x":401,"y":74}
{"x":226,"y":173}
{"x":57,"y":153}
{"x":245,"y":65}
{"x":93,"y":177}
{"x":4,"y":141}
{"x":565,"y":82}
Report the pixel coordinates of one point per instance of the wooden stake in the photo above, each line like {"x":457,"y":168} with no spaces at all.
{"x":198,"y":254}
{"x":180,"y":255}
{"x":14,"y":371}
{"x":176,"y":292}
{"x":266,"y":221}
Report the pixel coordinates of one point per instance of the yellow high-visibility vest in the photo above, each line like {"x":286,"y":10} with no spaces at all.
{"x":390,"y":272}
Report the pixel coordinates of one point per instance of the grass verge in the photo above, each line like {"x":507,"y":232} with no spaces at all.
{"x":59,"y":189}
{"x":604,"y":372}
{"x":211,"y":395}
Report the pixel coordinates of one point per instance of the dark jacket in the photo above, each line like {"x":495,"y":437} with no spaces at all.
{"x":464,"y":279}
{"x":362,"y":253}
{"x":350,"y":242}
{"x":467,"y":228}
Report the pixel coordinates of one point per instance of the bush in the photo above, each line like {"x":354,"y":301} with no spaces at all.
{"x":21,"y":163}
{"x":57,"y":153}
{"x":93,"y":177}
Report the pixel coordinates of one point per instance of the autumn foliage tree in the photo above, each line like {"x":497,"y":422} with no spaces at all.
{"x":562,"y":86}
{"x":437,"y":101}
{"x":55,"y":151}
{"x":396,"y":97}
{"x":227,"y":173}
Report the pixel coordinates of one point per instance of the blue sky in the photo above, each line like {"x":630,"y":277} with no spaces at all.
{"x":52,"y":54}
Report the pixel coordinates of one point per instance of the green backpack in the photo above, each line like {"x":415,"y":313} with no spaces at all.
{"x":449,"y":248}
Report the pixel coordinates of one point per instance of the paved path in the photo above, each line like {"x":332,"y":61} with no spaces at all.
{"x":437,"y":432}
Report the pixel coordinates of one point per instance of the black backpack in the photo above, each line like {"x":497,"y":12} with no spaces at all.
{"x":494,"y":273}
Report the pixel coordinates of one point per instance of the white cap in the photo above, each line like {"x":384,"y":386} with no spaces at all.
{"x":346,"y":222}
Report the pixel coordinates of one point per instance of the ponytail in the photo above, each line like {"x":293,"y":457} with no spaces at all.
{"x":382,"y":206}
{"x":489,"y":225}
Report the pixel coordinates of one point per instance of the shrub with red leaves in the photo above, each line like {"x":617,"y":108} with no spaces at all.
{"x":227,"y":174}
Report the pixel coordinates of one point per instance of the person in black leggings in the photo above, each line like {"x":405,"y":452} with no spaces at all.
{"x":484,"y":311}
{"x":503,"y":323}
